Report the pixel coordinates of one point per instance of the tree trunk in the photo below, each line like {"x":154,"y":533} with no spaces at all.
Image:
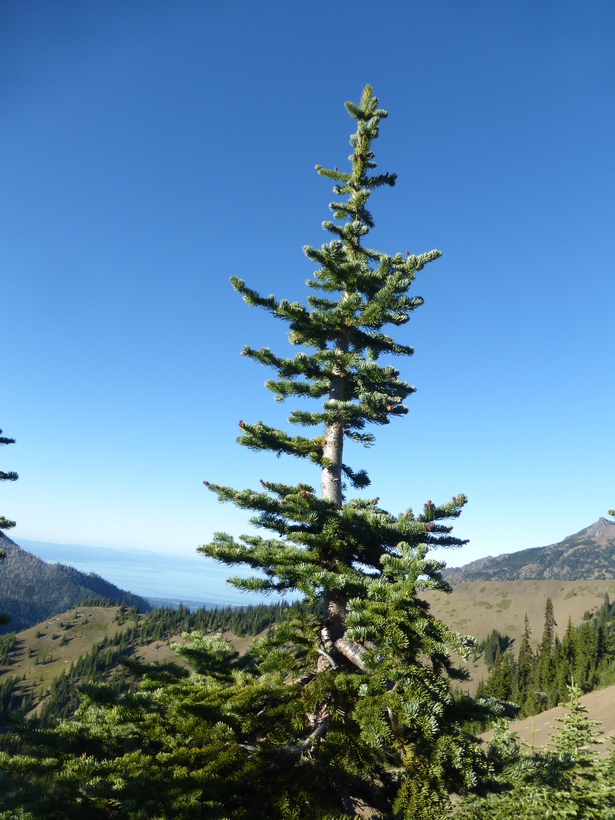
{"x":331,"y":488}
{"x":333,"y":447}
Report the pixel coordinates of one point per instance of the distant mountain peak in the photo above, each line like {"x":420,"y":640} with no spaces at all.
{"x":587,"y":555}
{"x":602,"y":529}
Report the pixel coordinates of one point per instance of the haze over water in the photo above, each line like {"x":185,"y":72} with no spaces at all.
{"x":191,"y":580}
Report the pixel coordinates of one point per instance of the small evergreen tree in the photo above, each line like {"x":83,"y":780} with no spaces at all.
{"x":585,"y":789}
{"x":525,"y":665}
{"x":566,"y":660}
{"x":587,"y":649}
{"x":546,"y":665}
{"x":566,"y":782}
{"x":5,"y":524}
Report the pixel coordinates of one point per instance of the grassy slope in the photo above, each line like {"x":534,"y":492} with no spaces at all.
{"x":542,"y":727}
{"x":472,"y":608}
{"x":477,"y":607}
{"x":32,"y":590}
{"x":83,"y":627}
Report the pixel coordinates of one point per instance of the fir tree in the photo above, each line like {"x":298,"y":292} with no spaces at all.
{"x":500,"y":684}
{"x":584,"y":787}
{"x":525,"y":665}
{"x":347,"y":706}
{"x":546,"y":665}
{"x":565,"y":782}
{"x":5,"y":524}
{"x":587,"y":655}
{"x":586,"y":652}
{"x":566,"y":660}
{"x":362,"y":564}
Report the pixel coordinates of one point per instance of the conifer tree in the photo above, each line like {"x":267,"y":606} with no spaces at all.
{"x":566,"y":660}
{"x":5,"y":524}
{"x":359,"y":562}
{"x":500,"y":684}
{"x":566,"y":781}
{"x":347,"y":707}
{"x":525,"y":664}
{"x":546,"y":666}
{"x":584,"y":788}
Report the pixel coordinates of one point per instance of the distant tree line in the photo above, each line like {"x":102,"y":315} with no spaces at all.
{"x":109,"y":659}
{"x":241,"y":621}
{"x":538,"y":679}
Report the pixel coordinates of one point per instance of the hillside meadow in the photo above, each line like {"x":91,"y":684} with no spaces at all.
{"x":42,"y":653}
{"x":537,"y":732}
{"x":477,"y":607}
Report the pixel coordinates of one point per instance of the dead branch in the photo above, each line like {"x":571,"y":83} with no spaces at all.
{"x":353,"y":652}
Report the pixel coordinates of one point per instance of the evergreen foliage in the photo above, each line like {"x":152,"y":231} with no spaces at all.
{"x":490,"y":645}
{"x":5,"y":523}
{"x":7,"y":645}
{"x":525,"y":664}
{"x":107,"y":659}
{"x":567,"y":780}
{"x":347,"y":706}
{"x":539,"y":680}
{"x":363,"y":564}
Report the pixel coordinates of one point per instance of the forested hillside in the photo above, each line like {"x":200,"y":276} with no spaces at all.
{"x":31,"y":590}
{"x":538,"y":679}
{"x":49,"y":664}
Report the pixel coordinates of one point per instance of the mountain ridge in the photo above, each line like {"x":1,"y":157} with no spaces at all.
{"x":32,"y":590}
{"x":586,"y":555}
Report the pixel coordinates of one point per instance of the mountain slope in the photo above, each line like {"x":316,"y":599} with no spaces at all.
{"x":31,"y":590}
{"x":542,"y":727}
{"x":587,"y":555}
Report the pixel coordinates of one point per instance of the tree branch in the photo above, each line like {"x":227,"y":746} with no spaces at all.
{"x":296,"y":749}
{"x":353,"y":652}
{"x":326,"y":655}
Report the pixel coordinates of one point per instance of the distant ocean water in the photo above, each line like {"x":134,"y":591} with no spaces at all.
{"x":191,"y":580}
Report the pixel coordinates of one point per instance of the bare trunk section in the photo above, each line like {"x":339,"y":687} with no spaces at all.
{"x":333,"y":447}
{"x":331,"y":477}
{"x":331,"y":488}
{"x":333,"y":630}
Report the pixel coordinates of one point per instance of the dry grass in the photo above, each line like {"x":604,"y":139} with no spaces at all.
{"x":41,"y":657}
{"x":472,"y":608}
{"x":537,"y":730}
{"x":477,"y":607}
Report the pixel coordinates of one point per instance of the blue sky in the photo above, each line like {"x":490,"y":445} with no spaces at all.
{"x":151,"y":150}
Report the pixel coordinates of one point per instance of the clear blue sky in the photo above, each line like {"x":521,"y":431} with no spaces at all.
{"x":150,"y":150}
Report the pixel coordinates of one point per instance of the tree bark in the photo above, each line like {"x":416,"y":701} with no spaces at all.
{"x":333,"y":447}
{"x":331,"y":489}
